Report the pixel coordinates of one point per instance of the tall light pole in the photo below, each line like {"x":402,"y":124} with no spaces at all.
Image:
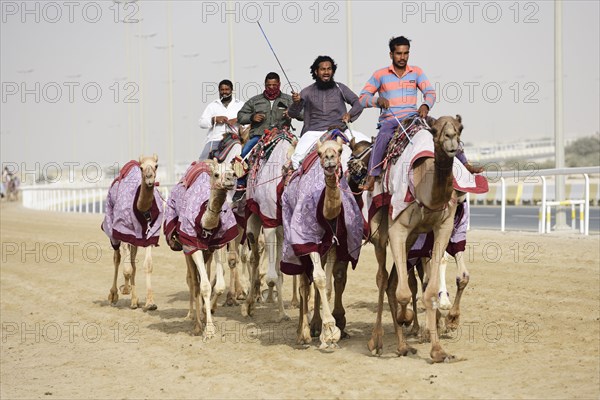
{"x":559,"y":148}
{"x":26,"y":139}
{"x":231,"y":52}
{"x":350,"y":81}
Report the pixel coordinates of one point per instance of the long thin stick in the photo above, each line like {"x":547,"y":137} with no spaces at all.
{"x":267,"y":39}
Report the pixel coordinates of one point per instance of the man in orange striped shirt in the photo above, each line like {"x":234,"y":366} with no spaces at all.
{"x":397,"y":86}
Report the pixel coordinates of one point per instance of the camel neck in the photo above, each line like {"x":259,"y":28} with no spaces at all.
{"x":210,"y":219}
{"x":144,"y":202}
{"x":332,"y":205}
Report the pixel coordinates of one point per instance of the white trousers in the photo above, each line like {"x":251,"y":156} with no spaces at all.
{"x":307,"y":141}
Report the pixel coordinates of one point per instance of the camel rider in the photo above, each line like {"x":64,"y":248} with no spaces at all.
{"x":397,"y":86}
{"x":324,"y":106}
{"x":219,"y":117}
{"x":267,"y":110}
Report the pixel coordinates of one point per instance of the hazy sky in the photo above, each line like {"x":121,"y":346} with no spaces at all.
{"x":68,"y":69}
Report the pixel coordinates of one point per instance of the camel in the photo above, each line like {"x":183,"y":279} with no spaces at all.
{"x":262,"y":210}
{"x":433,"y":209}
{"x":134,"y":215}
{"x":319,"y":241}
{"x":199,"y":218}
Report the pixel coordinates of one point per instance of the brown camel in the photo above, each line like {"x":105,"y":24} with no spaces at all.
{"x":433,"y":210}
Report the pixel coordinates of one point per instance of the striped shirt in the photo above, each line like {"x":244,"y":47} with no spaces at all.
{"x":401,"y":92}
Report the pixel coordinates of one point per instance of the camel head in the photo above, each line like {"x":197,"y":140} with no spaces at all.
{"x":446,"y":134}
{"x":359,"y":161}
{"x":330,"y":152}
{"x":222,"y":175}
{"x":148,"y":165}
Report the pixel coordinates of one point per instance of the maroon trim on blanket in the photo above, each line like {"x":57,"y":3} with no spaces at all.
{"x":123,"y":237}
{"x":381,"y":200}
{"x":252,"y":207}
{"x":197,"y":168}
{"x":481,"y":185}
{"x":305,"y":248}
{"x":309,"y":160}
{"x":199,"y":242}
{"x":169,"y":228}
{"x":424,"y":153}
{"x":154,"y":211}
{"x":125,"y":171}
{"x":454,"y":248}
{"x":305,"y":267}
{"x":342,"y":251}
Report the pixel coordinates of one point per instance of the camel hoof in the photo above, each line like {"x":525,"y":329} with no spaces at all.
{"x":375,"y":345}
{"x":345,"y":335}
{"x":150,"y":307}
{"x":438,"y":355}
{"x":246,"y":310}
{"x":112,"y":298}
{"x":295,"y":303}
{"x":134,"y":305}
{"x":315,"y":331}
{"x":405,"y":351}
{"x":124,"y":289}
{"x":284,"y":317}
{"x":190,"y":315}
{"x":269,"y":295}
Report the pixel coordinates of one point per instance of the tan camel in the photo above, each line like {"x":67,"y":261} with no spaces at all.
{"x":330,"y":153}
{"x":433,"y":210}
{"x":148,"y":166}
{"x":222,"y":180}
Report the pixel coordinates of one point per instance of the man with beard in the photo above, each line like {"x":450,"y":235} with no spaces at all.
{"x":397,"y":86}
{"x":267,"y":110}
{"x":324,"y":106}
{"x":219,"y":117}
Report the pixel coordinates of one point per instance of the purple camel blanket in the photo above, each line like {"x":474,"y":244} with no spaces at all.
{"x":305,"y":229}
{"x":122,"y":221}
{"x":424,"y":244}
{"x":185,"y":207}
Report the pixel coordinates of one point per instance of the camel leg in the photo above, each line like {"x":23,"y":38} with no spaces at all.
{"x":462,"y":280}
{"x":340,"y":275}
{"x":113,"y":296}
{"x":400,"y":245}
{"x":283,"y":316}
{"x":245,"y":272}
{"x":379,"y":226}
{"x":331,"y":257}
{"x":129,"y":272}
{"x":443,"y":295}
{"x":330,"y":334}
{"x":414,"y":289}
{"x":205,"y":292}
{"x":150,"y":305}
{"x":219,"y":279}
{"x":442,"y":236}
{"x":125,"y":288}
{"x":403,"y":348}
{"x":252,"y":229}
{"x":303,"y":332}
{"x":234,"y":278}
{"x":316,"y":322}
{"x":191,"y":282}
{"x":195,"y":293}
{"x":295,"y":303}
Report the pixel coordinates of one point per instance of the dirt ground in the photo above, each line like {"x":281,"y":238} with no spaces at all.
{"x":530,"y":326}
